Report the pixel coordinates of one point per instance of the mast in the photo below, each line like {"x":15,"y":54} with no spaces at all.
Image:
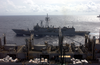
{"x":47,"y":21}
{"x":61,"y":45}
{"x":41,"y":23}
{"x":4,"y":39}
{"x":0,"y":43}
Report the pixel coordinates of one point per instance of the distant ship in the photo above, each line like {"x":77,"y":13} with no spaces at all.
{"x":98,"y":16}
{"x":40,"y":30}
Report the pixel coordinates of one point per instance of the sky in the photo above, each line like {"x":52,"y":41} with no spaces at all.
{"x":52,"y":7}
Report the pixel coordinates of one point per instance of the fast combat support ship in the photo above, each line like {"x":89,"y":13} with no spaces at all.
{"x":62,"y":54}
{"x":40,"y":30}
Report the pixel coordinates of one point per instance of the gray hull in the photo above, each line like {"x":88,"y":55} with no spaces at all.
{"x":21,"y":32}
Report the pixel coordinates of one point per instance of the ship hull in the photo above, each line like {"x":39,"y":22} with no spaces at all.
{"x":21,"y":32}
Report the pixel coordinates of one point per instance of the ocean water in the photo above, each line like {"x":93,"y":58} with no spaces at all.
{"x":81,"y":23}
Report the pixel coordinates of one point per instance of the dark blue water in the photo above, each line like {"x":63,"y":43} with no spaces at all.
{"x":86,"y":23}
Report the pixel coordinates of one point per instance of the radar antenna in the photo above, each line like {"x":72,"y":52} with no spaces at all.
{"x":47,"y":19}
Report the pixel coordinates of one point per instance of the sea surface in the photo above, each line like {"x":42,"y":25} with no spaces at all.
{"x":80,"y":22}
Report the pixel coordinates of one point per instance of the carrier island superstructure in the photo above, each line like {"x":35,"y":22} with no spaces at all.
{"x":70,"y":54}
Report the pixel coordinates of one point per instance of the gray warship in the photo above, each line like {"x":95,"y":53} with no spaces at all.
{"x":40,"y":30}
{"x":68,"y":54}
{"x":98,"y":16}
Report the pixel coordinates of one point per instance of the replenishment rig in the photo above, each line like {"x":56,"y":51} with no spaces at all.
{"x":69,"y":54}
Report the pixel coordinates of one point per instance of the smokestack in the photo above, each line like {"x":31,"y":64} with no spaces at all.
{"x":4,"y":39}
